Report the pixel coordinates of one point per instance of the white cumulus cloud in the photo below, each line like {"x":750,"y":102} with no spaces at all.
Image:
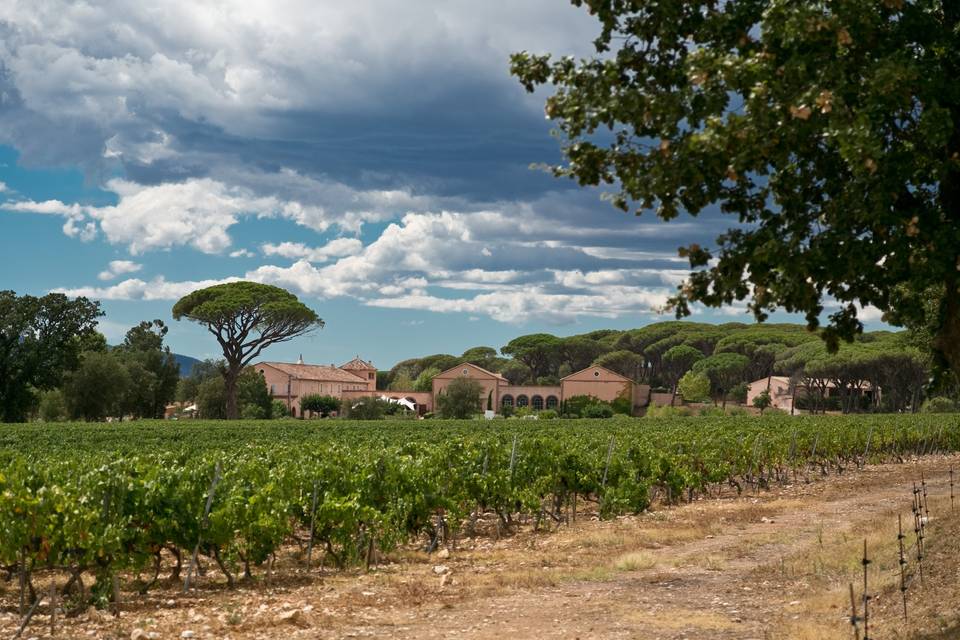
{"x":119,"y":267}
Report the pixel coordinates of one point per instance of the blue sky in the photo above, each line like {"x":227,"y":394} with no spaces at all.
{"x":374,"y":159}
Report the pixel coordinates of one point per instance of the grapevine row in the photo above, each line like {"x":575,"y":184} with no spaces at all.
{"x":99,"y":500}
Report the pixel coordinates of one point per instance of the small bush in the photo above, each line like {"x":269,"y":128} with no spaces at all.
{"x":668,"y":412}
{"x":938,"y":404}
{"x":523,"y":412}
{"x":622,"y":405}
{"x":317,"y":403}
{"x":712,"y":412}
{"x":548,"y":414}
{"x":739,"y":393}
{"x":53,"y":408}
{"x":365,"y":409}
{"x":573,"y":407}
{"x":598,"y":410}
{"x":278,"y":409}
{"x":252,"y":412}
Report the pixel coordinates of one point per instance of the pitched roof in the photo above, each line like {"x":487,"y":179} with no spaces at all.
{"x":314,"y":372}
{"x":612,"y":373}
{"x":358,"y":363}
{"x":472,"y":366}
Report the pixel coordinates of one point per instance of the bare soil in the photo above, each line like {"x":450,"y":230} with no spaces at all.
{"x":773,"y":564}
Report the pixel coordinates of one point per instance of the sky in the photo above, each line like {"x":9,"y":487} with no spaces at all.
{"x":375,"y":158}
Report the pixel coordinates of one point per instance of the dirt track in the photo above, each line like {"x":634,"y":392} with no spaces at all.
{"x":772,"y":565}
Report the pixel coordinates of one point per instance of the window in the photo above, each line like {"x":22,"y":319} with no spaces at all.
{"x":506,"y":401}
{"x":465,"y":371}
{"x":552,"y":402}
{"x":537,"y":403}
{"x":596,"y":374}
{"x":522,"y":401}
{"x":272,"y":389}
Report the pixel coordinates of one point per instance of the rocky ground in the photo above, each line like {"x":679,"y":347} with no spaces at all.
{"x":777,"y":564}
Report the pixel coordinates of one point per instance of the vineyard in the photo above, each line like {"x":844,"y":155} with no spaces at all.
{"x":82,"y":500}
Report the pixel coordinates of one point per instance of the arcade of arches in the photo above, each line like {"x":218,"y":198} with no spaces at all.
{"x":497,"y":392}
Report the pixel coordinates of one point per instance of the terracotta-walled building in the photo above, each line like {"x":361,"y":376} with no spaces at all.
{"x":358,"y":379}
{"x":498,"y":392}
{"x":290,"y":382}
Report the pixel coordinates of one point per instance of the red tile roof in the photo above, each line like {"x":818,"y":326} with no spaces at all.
{"x":314,"y":372}
{"x":358,"y":363}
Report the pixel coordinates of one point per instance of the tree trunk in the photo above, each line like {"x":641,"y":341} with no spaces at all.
{"x":947,"y":341}
{"x":230,"y":390}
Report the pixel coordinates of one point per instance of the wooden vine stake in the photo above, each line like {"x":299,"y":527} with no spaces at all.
{"x":866,"y":451}
{"x":866,"y":594}
{"x":854,"y":618}
{"x":951,"y":489}
{"x":313,"y":519}
{"x":903,"y":565}
{"x":22,"y":579}
{"x":918,"y":531}
{"x":606,"y":467}
{"x":203,"y":525}
{"x":926,"y":507}
{"x":53,"y":608}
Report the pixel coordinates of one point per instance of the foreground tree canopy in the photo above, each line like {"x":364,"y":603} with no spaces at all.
{"x":829,"y":130}
{"x":246,"y":318}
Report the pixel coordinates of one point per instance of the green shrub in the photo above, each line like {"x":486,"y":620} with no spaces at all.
{"x":252,"y":412}
{"x":739,"y":393}
{"x":694,"y":387}
{"x":364,"y":409}
{"x":938,"y":404}
{"x":278,"y":410}
{"x":712,"y":412}
{"x":762,"y":401}
{"x":52,"y":406}
{"x":573,"y":407}
{"x":461,"y":399}
{"x":598,"y":410}
{"x":667,"y":411}
{"x":548,"y":414}
{"x":622,"y":405}
{"x":317,"y":403}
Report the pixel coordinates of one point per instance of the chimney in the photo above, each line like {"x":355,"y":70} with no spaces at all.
{"x":300,"y":359}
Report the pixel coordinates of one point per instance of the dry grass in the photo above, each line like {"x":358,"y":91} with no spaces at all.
{"x":635,"y":561}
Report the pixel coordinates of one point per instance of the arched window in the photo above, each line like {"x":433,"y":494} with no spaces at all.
{"x":537,"y":403}
{"x":522,"y":401}
{"x":552,"y":402}
{"x":506,"y":401}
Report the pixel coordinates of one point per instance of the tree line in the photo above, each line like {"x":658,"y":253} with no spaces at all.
{"x":724,"y":357}
{"x":55,"y":364}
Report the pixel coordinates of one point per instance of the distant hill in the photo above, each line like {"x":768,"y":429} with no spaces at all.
{"x":186,"y":364}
